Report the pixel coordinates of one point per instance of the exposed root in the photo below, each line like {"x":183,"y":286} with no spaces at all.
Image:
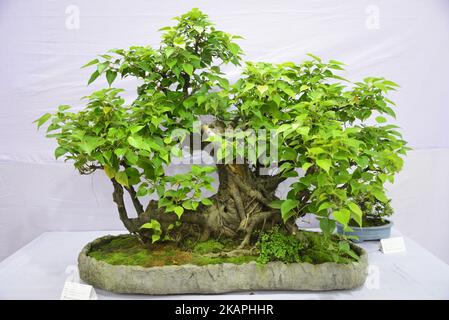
{"x":251,"y":192}
{"x":240,"y":208}
{"x":235,"y":193}
{"x":234,"y":253}
{"x":251,"y":224}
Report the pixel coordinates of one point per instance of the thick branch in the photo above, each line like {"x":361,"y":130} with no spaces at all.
{"x":251,"y":223}
{"x":137,"y":205}
{"x":117,"y":196}
{"x":235,"y":193}
{"x":271,"y":182}
{"x":185,"y":87}
{"x":250,"y":191}
{"x":153,"y":212}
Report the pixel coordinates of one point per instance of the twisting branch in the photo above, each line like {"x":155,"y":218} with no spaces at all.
{"x":235,"y":193}
{"x":153,"y":212}
{"x":251,"y":223}
{"x":137,"y":204}
{"x":272,"y":182}
{"x":117,"y":196}
{"x":250,"y":191}
{"x":186,"y":86}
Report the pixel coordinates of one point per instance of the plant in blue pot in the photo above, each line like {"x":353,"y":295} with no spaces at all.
{"x":375,"y":225}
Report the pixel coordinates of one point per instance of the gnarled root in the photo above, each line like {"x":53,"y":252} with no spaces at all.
{"x":234,"y":253}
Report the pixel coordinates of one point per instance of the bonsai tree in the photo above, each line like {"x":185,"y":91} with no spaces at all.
{"x":331,"y":137}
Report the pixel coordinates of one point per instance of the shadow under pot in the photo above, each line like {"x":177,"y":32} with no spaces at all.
{"x":369,"y":232}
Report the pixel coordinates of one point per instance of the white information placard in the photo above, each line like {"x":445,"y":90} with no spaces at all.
{"x":78,"y":291}
{"x":392,"y":245}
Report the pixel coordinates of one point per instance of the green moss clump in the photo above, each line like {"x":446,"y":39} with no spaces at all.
{"x":274,"y":245}
{"x":209,"y":246}
{"x":123,"y":250}
{"x":127,"y":250}
{"x":279,"y":246}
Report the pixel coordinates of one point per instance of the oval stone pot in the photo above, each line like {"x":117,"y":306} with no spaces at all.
{"x":219,"y":278}
{"x":367,"y":233}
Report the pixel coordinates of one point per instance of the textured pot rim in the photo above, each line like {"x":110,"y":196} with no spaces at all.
{"x":385,"y":226}
{"x":86,"y":249}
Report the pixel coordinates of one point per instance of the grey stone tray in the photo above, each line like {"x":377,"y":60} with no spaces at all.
{"x":220,"y":278}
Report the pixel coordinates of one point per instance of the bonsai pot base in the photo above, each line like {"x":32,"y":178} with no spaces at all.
{"x":367,"y":233}
{"x":219,"y":278}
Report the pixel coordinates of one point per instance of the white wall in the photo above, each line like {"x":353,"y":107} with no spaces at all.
{"x":406,"y":41}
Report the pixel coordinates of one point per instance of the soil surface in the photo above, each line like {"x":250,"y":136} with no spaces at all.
{"x":128,"y":250}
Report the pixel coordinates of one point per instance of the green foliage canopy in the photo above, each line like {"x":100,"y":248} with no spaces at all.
{"x":336,"y":132}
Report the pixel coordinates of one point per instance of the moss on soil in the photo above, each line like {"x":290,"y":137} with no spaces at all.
{"x":127,"y":250}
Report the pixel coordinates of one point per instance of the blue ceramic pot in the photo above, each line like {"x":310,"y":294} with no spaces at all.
{"x":368,"y":233}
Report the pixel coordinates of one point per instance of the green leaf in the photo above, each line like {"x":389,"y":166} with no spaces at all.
{"x":179,"y":42}
{"x":132,"y":157}
{"x":325,"y":164}
{"x":283,"y":128}
{"x":234,"y":48}
{"x":345,"y":247}
{"x":142,"y":191}
{"x":63,"y":107}
{"x":102,"y":66}
{"x":206,"y":201}
{"x":89,"y":143}
{"x":314,"y":57}
{"x":188,"y":204}
{"x":110,"y":76}
{"x":95,"y":61}
{"x":188,"y":68}
{"x":276,"y":204}
{"x":122,"y":178}
{"x":381,"y":119}
{"x":357,"y":212}
{"x":42,"y":119}
{"x":138,"y":143}
{"x":324,"y":206}
{"x":154,"y":225}
{"x":120,"y":151}
{"x":109,"y":171}
{"x":342,"y":216}
{"x":327,"y":226}
{"x":60,"y":151}
{"x":169,"y":51}
{"x":93,"y":77}
{"x":306,"y":166}
{"x":248,"y":86}
{"x":286,"y":208}
{"x":262,"y":89}
{"x":155,"y":237}
{"x":380,"y":195}
{"x":179,"y":211}
{"x":304,"y":131}
{"x":355,"y":209}
{"x":135,"y":129}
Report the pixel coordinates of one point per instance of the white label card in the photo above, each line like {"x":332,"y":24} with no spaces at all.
{"x":392,"y":245}
{"x":78,"y":291}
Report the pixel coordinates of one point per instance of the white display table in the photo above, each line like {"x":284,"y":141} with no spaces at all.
{"x":39,"y":270}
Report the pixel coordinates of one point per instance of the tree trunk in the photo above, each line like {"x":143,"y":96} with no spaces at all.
{"x":240,"y":208}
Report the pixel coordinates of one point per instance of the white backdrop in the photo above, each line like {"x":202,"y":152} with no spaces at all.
{"x":44,"y":42}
